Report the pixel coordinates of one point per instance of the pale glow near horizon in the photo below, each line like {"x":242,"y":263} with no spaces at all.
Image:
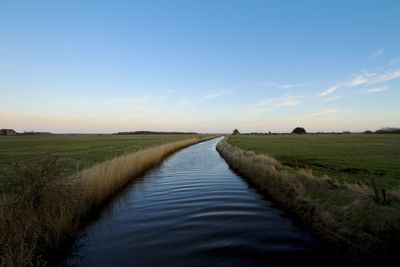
{"x":256,"y":66}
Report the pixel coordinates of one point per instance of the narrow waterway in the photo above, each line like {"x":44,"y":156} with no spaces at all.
{"x":193,"y":210}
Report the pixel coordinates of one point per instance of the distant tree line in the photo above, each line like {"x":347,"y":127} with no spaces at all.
{"x":151,"y":133}
{"x":388,"y":130}
{"x":301,"y":130}
{"x":297,"y":130}
{"x":13,"y":132}
{"x":7,"y":132}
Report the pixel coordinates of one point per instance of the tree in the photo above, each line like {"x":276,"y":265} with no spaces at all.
{"x":299,"y":130}
{"x":235,"y":132}
{"x":389,"y":130}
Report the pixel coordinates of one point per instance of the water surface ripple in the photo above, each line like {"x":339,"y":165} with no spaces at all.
{"x":193,"y":210}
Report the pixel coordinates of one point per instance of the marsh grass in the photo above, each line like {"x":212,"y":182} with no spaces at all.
{"x":37,"y":209}
{"x":40,"y":207}
{"x":346,"y":216}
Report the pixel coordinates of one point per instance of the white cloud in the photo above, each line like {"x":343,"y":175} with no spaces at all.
{"x":287,"y":102}
{"x":378,"y":53}
{"x":357,"y":80}
{"x":287,"y":85}
{"x":314,"y":115}
{"x":391,"y":63}
{"x":374,"y":90}
{"x":331,"y":98}
{"x":126,"y":106}
{"x":330,"y":90}
{"x":139,"y":100}
{"x":212,"y":95}
{"x":273,"y":103}
{"x":366,"y":78}
{"x":321,"y":113}
{"x":386,"y":76}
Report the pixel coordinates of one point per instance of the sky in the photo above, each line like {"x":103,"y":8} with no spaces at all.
{"x":204,"y":66}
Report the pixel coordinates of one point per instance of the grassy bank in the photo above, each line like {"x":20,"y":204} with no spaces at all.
{"x":41,"y":207}
{"x":354,"y":219}
{"x":345,"y":158}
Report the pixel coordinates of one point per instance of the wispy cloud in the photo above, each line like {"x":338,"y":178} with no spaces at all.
{"x":331,"y":98}
{"x":366,"y":78}
{"x":330,"y":90}
{"x":391,"y":63}
{"x":213,"y":95}
{"x":318,"y":114}
{"x":321,"y":113}
{"x":273,"y":103}
{"x":124,"y":105}
{"x":129,"y":100}
{"x":374,"y":90}
{"x":384,"y":77}
{"x":357,"y":80}
{"x":378,"y":53}
{"x":287,"y":85}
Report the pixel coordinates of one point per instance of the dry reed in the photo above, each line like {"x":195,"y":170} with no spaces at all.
{"x":346,"y":216}
{"x":102,"y":180}
{"x":40,"y":209}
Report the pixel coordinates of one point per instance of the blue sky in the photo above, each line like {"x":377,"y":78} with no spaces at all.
{"x":206,"y":66}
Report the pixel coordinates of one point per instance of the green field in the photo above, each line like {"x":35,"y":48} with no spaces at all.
{"x":76,"y":151}
{"x":344,"y":157}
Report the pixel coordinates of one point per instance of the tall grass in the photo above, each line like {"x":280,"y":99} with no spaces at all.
{"x":347,"y":216}
{"x":40,"y":208}
{"x":102,"y":180}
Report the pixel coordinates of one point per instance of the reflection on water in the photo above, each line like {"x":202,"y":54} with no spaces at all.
{"x":194,"y":211}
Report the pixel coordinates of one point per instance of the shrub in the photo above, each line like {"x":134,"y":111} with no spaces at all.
{"x":299,"y":130}
{"x":235,"y":132}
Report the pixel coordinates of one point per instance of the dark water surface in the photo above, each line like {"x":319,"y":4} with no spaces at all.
{"x":193,"y":210}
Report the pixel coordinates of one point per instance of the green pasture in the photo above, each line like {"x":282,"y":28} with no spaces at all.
{"x":344,"y":157}
{"x":76,"y":151}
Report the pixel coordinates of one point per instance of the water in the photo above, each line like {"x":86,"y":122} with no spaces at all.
{"x":193,"y":210}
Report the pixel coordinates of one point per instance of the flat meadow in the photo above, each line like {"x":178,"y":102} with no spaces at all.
{"x":352,"y":158}
{"x":76,"y":152}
